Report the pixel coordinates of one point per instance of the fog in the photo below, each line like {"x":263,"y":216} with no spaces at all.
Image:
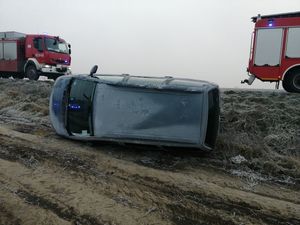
{"x":207,"y":40}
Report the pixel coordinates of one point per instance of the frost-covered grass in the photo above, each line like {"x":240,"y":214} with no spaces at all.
{"x":263,"y":127}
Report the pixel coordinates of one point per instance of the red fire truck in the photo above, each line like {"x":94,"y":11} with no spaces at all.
{"x":32,"y":55}
{"x":275,"y":50}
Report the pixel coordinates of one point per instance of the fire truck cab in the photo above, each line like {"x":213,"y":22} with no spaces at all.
{"x":32,"y":55}
{"x":275,"y":50}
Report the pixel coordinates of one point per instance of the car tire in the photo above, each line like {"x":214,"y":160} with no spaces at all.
{"x":31,"y":73}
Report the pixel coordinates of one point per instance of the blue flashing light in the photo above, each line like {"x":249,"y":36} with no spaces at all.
{"x":74,"y":106}
{"x":270,"y":23}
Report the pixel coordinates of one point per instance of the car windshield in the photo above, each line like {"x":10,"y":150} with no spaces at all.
{"x":79,"y":115}
{"x":56,"y":45}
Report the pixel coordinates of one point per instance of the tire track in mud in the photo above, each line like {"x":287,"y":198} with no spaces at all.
{"x":68,"y":213}
{"x":194,"y":200}
{"x":67,"y":199}
{"x":13,"y":151}
{"x":29,"y":156}
{"x":6,"y":218}
{"x":193,"y":208}
{"x":65,"y":213}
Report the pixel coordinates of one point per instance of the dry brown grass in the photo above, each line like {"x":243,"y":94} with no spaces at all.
{"x":264,"y":127}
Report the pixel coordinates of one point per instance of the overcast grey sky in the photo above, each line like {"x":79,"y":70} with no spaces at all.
{"x":184,"y":38}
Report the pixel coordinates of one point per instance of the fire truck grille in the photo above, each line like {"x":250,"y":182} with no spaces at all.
{"x":61,"y":70}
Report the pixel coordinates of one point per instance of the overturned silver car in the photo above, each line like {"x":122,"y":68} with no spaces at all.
{"x":161,"y":111}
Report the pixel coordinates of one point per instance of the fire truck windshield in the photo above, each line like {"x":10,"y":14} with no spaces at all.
{"x":56,"y":45}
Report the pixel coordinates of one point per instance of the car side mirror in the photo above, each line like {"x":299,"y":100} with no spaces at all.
{"x":69,"y":46}
{"x":93,"y":70}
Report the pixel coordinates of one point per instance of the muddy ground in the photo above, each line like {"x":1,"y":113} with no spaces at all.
{"x":252,"y":177}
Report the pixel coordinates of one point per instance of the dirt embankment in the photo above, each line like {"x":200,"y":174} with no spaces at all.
{"x":251,"y":178}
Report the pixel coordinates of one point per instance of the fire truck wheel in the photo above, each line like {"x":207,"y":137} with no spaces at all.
{"x":31,"y":73}
{"x":296,"y":82}
{"x":291,"y":82}
{"x":285,"y":85}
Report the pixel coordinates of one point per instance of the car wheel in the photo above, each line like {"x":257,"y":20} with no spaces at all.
{"x":31,"y":73}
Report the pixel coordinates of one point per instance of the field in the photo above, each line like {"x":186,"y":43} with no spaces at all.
{"x":252,"y":177}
